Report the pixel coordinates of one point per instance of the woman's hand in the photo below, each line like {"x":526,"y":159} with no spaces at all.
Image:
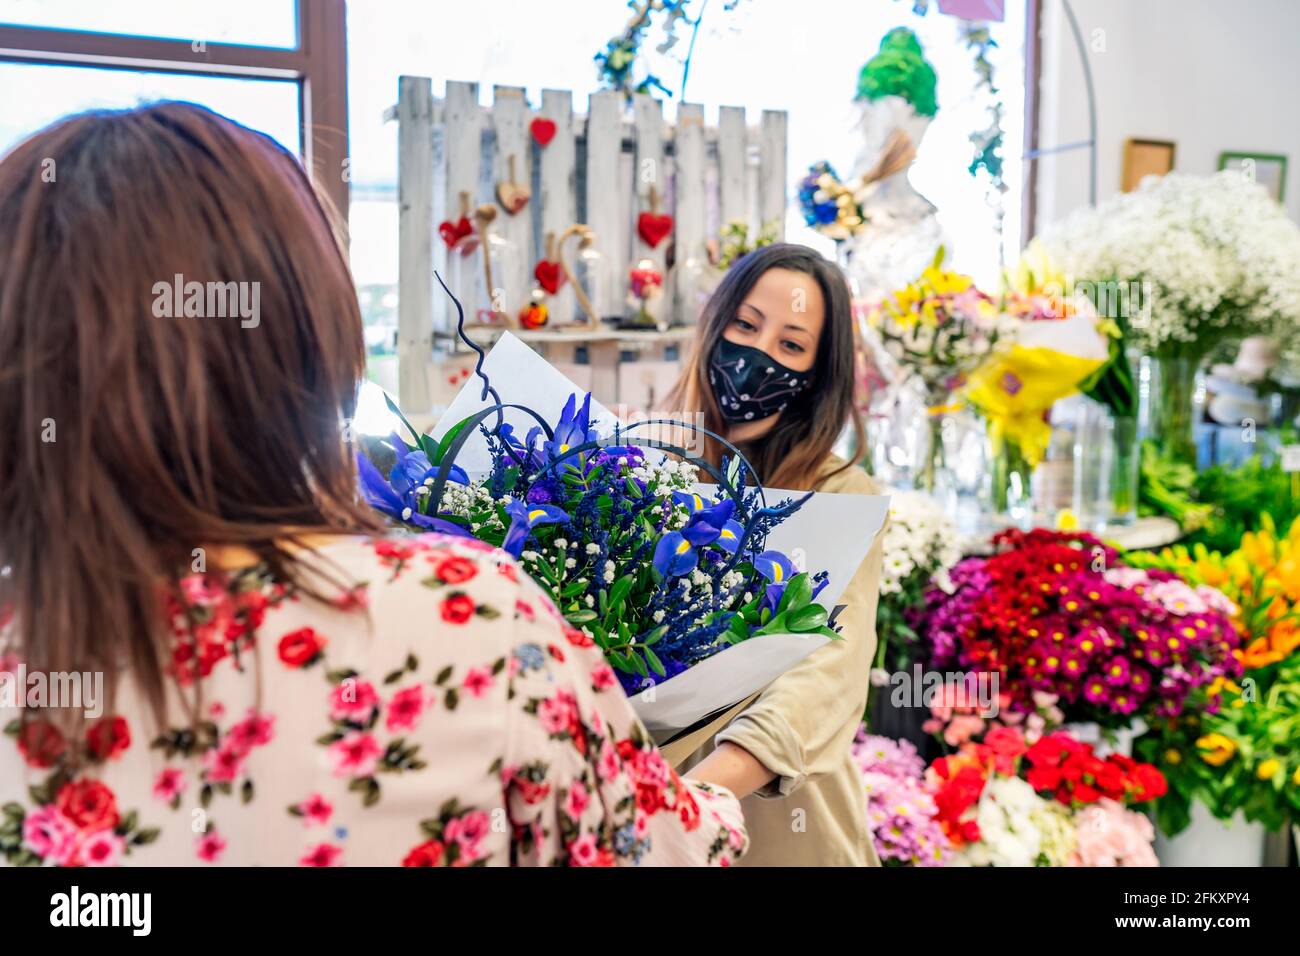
{"x":732,"y":767}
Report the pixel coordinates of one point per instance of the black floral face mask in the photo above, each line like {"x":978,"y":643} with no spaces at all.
{"x":750,"y":384}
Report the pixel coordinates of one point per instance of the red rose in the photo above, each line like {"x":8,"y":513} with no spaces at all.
{"x":457,"y":609}
{"x":40,"y":743}
{"x":89,"y":804}
{"x":108,"y":738}
{"x":1043,"y":778}
{"x":299,"y":648}
{"x":455,"y":570}
{"x":428,"y":853}
{"x":1148,"y":783}
{"x":576,"y":637}
{"x":687,"y":809}
{"x":649,"y":798}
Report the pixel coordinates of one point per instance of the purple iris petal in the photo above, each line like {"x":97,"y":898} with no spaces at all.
{"x":674,"y":555}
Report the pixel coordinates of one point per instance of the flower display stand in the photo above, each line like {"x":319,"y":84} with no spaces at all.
{"x":1208,"y":841}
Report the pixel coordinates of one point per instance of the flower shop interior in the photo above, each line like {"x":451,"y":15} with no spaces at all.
{"x":1068,"y":231}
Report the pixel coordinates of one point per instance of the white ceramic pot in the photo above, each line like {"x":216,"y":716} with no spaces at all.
{"x":1208,"y":841}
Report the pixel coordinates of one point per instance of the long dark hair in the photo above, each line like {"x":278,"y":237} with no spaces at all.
{"x":793,"y":454}
{"x":130,"y":439}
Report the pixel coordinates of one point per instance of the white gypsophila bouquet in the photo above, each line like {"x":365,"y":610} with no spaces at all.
{"x":920,"y":537}
{"x":1017,"y":827}
{"x":920,"y":543}
{"x":1214,"y":256}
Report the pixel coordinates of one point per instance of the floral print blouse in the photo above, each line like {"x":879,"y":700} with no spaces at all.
{"x":436,"y":710}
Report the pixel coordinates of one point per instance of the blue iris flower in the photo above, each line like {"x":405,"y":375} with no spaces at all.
{"x":574,"y":428}
{"x":523,"y":519}
{"x":413,"y":468}
{"x":709,"y":523}
{"x":674,"y":555}
{"x":404,"y":506}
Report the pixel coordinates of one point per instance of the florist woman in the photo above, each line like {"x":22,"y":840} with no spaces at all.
{"x":772,"y":371}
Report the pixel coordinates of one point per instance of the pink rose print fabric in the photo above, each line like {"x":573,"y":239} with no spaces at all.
{"x":424,"y":705}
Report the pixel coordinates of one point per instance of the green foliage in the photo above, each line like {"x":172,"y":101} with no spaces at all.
{"x":900,"y":69}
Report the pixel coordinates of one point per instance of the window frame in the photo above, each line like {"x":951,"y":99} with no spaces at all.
{"x":318,"y":64}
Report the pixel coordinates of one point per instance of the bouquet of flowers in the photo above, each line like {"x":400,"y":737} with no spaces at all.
{"x":1057,"y":613}
{"x":1239,"y":752}
{"x":1215,"y":255}
{"x":1005,"y":802}
{"x":828,"y":205}
{"x":940,"y":327}
{"x":920,"y":545}
{"x":661,"y":572}
{"x":900,"y":811}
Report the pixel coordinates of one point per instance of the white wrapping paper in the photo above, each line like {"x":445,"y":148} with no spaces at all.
{"x":833,"y":532}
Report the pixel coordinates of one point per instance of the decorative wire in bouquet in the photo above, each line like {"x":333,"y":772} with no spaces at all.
{"x":660,"y":574}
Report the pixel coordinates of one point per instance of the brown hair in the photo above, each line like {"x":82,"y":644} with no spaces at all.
{"x":131,"y":438}
{"x":793,"y":454}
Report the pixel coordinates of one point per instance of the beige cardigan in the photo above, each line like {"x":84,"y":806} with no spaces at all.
{"x":801,"y":727}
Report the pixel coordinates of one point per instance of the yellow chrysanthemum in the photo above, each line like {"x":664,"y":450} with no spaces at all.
{"x":1216,"y":749}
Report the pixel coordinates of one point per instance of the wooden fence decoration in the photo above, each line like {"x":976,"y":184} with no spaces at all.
{"x":600,"y":168}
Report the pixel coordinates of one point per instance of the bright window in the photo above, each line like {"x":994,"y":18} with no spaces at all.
{"x":271,"y":23}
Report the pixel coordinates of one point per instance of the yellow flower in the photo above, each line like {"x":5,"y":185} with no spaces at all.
{"x":1066,"y":520}
{"x":1216,"y":749}
{"x":1172,"y":756}
{"x":1268,"y":769}
{"x":1295,"y":777}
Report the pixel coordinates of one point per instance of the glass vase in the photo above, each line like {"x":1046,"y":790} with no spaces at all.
{"x":1171,"y":405}
{"x":1011,"y":475}
{"x":1106,"y":459}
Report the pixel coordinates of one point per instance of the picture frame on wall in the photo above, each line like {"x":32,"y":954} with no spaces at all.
{"x":1145,"y":157}
{"x":1267,"y":169}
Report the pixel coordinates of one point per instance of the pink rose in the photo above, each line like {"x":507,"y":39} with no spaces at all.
{"x":49,"y":834}
{"x":253,"y":731}
{"x":209,"y":846}
{"x":322,"y":855}
{"x":578,"y":800}
{"x":356,"y":755}
{"x":602,"y":677}
{"x":169,"y":784}
{"x":583,"y":851}
{"x":104,"y":848}
{"x":315,"y":810}
{"x":478,"y":680}
{"x":405,"y":709}
{"x":224,"y":764}
{"x":354,"y":700}
{"x":607,"y":766}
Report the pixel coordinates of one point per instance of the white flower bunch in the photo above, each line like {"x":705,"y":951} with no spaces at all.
{"x":919,"y":537}
{"x":1019,"y":828}
{"x":1216,"y":255}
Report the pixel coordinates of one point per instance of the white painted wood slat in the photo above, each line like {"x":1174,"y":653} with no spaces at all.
{"x":415,"y":230}
{"x":513,"y":273}
{"x":559,"y":198}
{"x":604,"y":150}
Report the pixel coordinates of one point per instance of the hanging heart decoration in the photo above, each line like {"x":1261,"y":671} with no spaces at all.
{"x":454,"y":232}
{"x":543,"y":131}
{"x":549,"y":276}
{"x":512,"y":194}
{"x":653,"y":228}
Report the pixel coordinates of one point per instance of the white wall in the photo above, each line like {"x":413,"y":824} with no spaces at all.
{"x":1211,"y":75}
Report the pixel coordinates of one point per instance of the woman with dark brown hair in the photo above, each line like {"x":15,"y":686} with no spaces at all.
{"x":209,"y":652}
{"x":772,"y":371}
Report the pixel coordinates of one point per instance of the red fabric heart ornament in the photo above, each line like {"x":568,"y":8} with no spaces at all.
{"x":653,"y":228}
{"x":453,"y":232}
{"x":543,"y":130}
{"x":549,"y":276}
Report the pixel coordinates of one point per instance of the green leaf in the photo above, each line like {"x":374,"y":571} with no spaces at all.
{"x":654,"y":635}
{"x":797,"y":594}
{"x":440,"y":449}
{"x":618,"y":593}
{"x":807,"y":618}
{"x":652,"y":659}
{"x":581,"y":617}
